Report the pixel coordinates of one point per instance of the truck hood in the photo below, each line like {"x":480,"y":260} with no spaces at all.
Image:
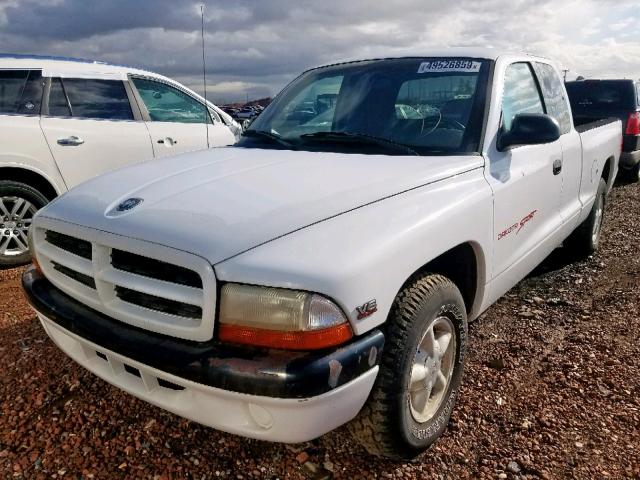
{"x":221,"y":202}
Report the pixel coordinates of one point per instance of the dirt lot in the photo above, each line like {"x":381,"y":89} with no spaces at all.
{"x":552,"y":390}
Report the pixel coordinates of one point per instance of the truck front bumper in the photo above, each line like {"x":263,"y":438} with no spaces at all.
{"x":259,"y":393}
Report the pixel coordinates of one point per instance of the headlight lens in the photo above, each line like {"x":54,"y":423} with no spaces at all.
{"x":280,"y":318}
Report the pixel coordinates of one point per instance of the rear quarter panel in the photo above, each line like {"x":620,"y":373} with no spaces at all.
{"x":369,"y":253}
{"x":22,"y":145}
{"x":599,"y":144}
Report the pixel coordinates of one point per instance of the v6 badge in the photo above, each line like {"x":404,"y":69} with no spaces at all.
{"x":367,"y":309}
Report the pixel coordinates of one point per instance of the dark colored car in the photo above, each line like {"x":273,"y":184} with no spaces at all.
{"x":598,"y":99}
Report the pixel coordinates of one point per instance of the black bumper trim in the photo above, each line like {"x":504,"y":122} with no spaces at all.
{"x":629,"y":160}
{"x":255,"y":371}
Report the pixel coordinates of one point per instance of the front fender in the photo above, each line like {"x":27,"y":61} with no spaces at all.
{"x":370,"y":252}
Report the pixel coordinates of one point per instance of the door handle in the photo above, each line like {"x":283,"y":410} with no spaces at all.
{"x":72,"y":141}
{"x":168,"y":141}
{"x":557,"y":166}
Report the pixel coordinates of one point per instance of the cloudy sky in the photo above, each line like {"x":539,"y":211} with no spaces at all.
{"x":255,"y":47}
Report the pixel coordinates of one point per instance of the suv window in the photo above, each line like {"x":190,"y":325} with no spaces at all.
{"x":167,"y":104}
{"x":521,"y":93}
{"x":554,"y":96}
{"x":20,"y":91}
{"x":58,"y":103}
{"x":99,"y":99}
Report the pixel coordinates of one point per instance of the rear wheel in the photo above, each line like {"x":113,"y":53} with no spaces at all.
{"x":586,"y":238}
{"x":19,"y":202}
{"x":420,"y":373}
{"x":633,"y":175}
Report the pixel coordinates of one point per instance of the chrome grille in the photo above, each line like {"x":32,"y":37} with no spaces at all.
{"x":174,"y":295}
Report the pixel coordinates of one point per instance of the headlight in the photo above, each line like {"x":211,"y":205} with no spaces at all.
{"x":279,"y":318}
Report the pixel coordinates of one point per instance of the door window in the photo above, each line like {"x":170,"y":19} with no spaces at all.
{"x":521,"y":93}
{"x":58,"y":103}
{"x":554,"y":97}
{"x":20,"y":92}
{"x":167,"y":104}
{"x":98,"y":99}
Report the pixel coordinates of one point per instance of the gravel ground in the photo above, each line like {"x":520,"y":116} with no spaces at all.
{"x":551,"y":391}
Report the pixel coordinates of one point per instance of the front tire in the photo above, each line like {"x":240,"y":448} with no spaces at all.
{"x":19,"y":202}
{"x":585,"y":239}
{"x":420,"y":373}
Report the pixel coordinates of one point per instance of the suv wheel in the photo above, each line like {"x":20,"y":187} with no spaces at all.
{"x":19,"y":202}
{"x":420,"y":373}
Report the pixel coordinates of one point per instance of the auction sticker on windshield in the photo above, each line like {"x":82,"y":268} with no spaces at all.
{"x":444,"y":66}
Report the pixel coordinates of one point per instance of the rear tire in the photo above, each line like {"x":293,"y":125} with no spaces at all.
{"x":585,"y":239}
{"x":633,"y":174}
{"x":420,"y":373}
{"x":19,"y":202}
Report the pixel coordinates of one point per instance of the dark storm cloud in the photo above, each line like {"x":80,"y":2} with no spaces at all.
{"x":257,"y":46}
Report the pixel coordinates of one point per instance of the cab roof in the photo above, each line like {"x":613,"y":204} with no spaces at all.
{"x":486,"y":53}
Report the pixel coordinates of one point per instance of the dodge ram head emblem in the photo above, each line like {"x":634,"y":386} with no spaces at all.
{"x":367,"y":309}
{"x":129,"y":204}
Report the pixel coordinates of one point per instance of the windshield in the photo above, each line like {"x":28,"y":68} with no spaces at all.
{"x":395,"y":106}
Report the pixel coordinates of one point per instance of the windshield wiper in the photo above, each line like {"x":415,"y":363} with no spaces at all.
{"x":269,"y":136}
{"x":358,"y":137}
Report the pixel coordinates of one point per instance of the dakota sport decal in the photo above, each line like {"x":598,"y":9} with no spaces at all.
{"x":517,"y":226}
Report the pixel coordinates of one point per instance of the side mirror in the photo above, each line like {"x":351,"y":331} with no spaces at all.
{"x":529,"y":129}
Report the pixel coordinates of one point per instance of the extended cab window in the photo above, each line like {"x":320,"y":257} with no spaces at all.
{"x":20,"y":91}
{"x":99,"y":99}
{"x":520,"y":95}
{"x":167,"y":104}
{"x":554,"y":97}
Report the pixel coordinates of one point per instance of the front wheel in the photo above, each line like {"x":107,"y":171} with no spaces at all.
{"x":586,"y":238}
{"x":19,"y":202}
{"x":420,"y":373}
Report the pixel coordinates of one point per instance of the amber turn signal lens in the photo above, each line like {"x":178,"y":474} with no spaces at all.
{"x":35,"y":264}
{"x":287,"y":340}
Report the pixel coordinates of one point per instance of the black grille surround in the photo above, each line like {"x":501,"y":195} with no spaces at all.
{"x":78,"y":247}
{"x":158,"y":304}
{"x":157,"y":269}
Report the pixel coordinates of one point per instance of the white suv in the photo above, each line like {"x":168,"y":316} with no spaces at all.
{"x":63,"y":121}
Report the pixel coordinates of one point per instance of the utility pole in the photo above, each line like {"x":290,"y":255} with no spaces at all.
{"x":565,"y":70}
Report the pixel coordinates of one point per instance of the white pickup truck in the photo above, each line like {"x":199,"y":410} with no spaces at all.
{"x":324,"y":270}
